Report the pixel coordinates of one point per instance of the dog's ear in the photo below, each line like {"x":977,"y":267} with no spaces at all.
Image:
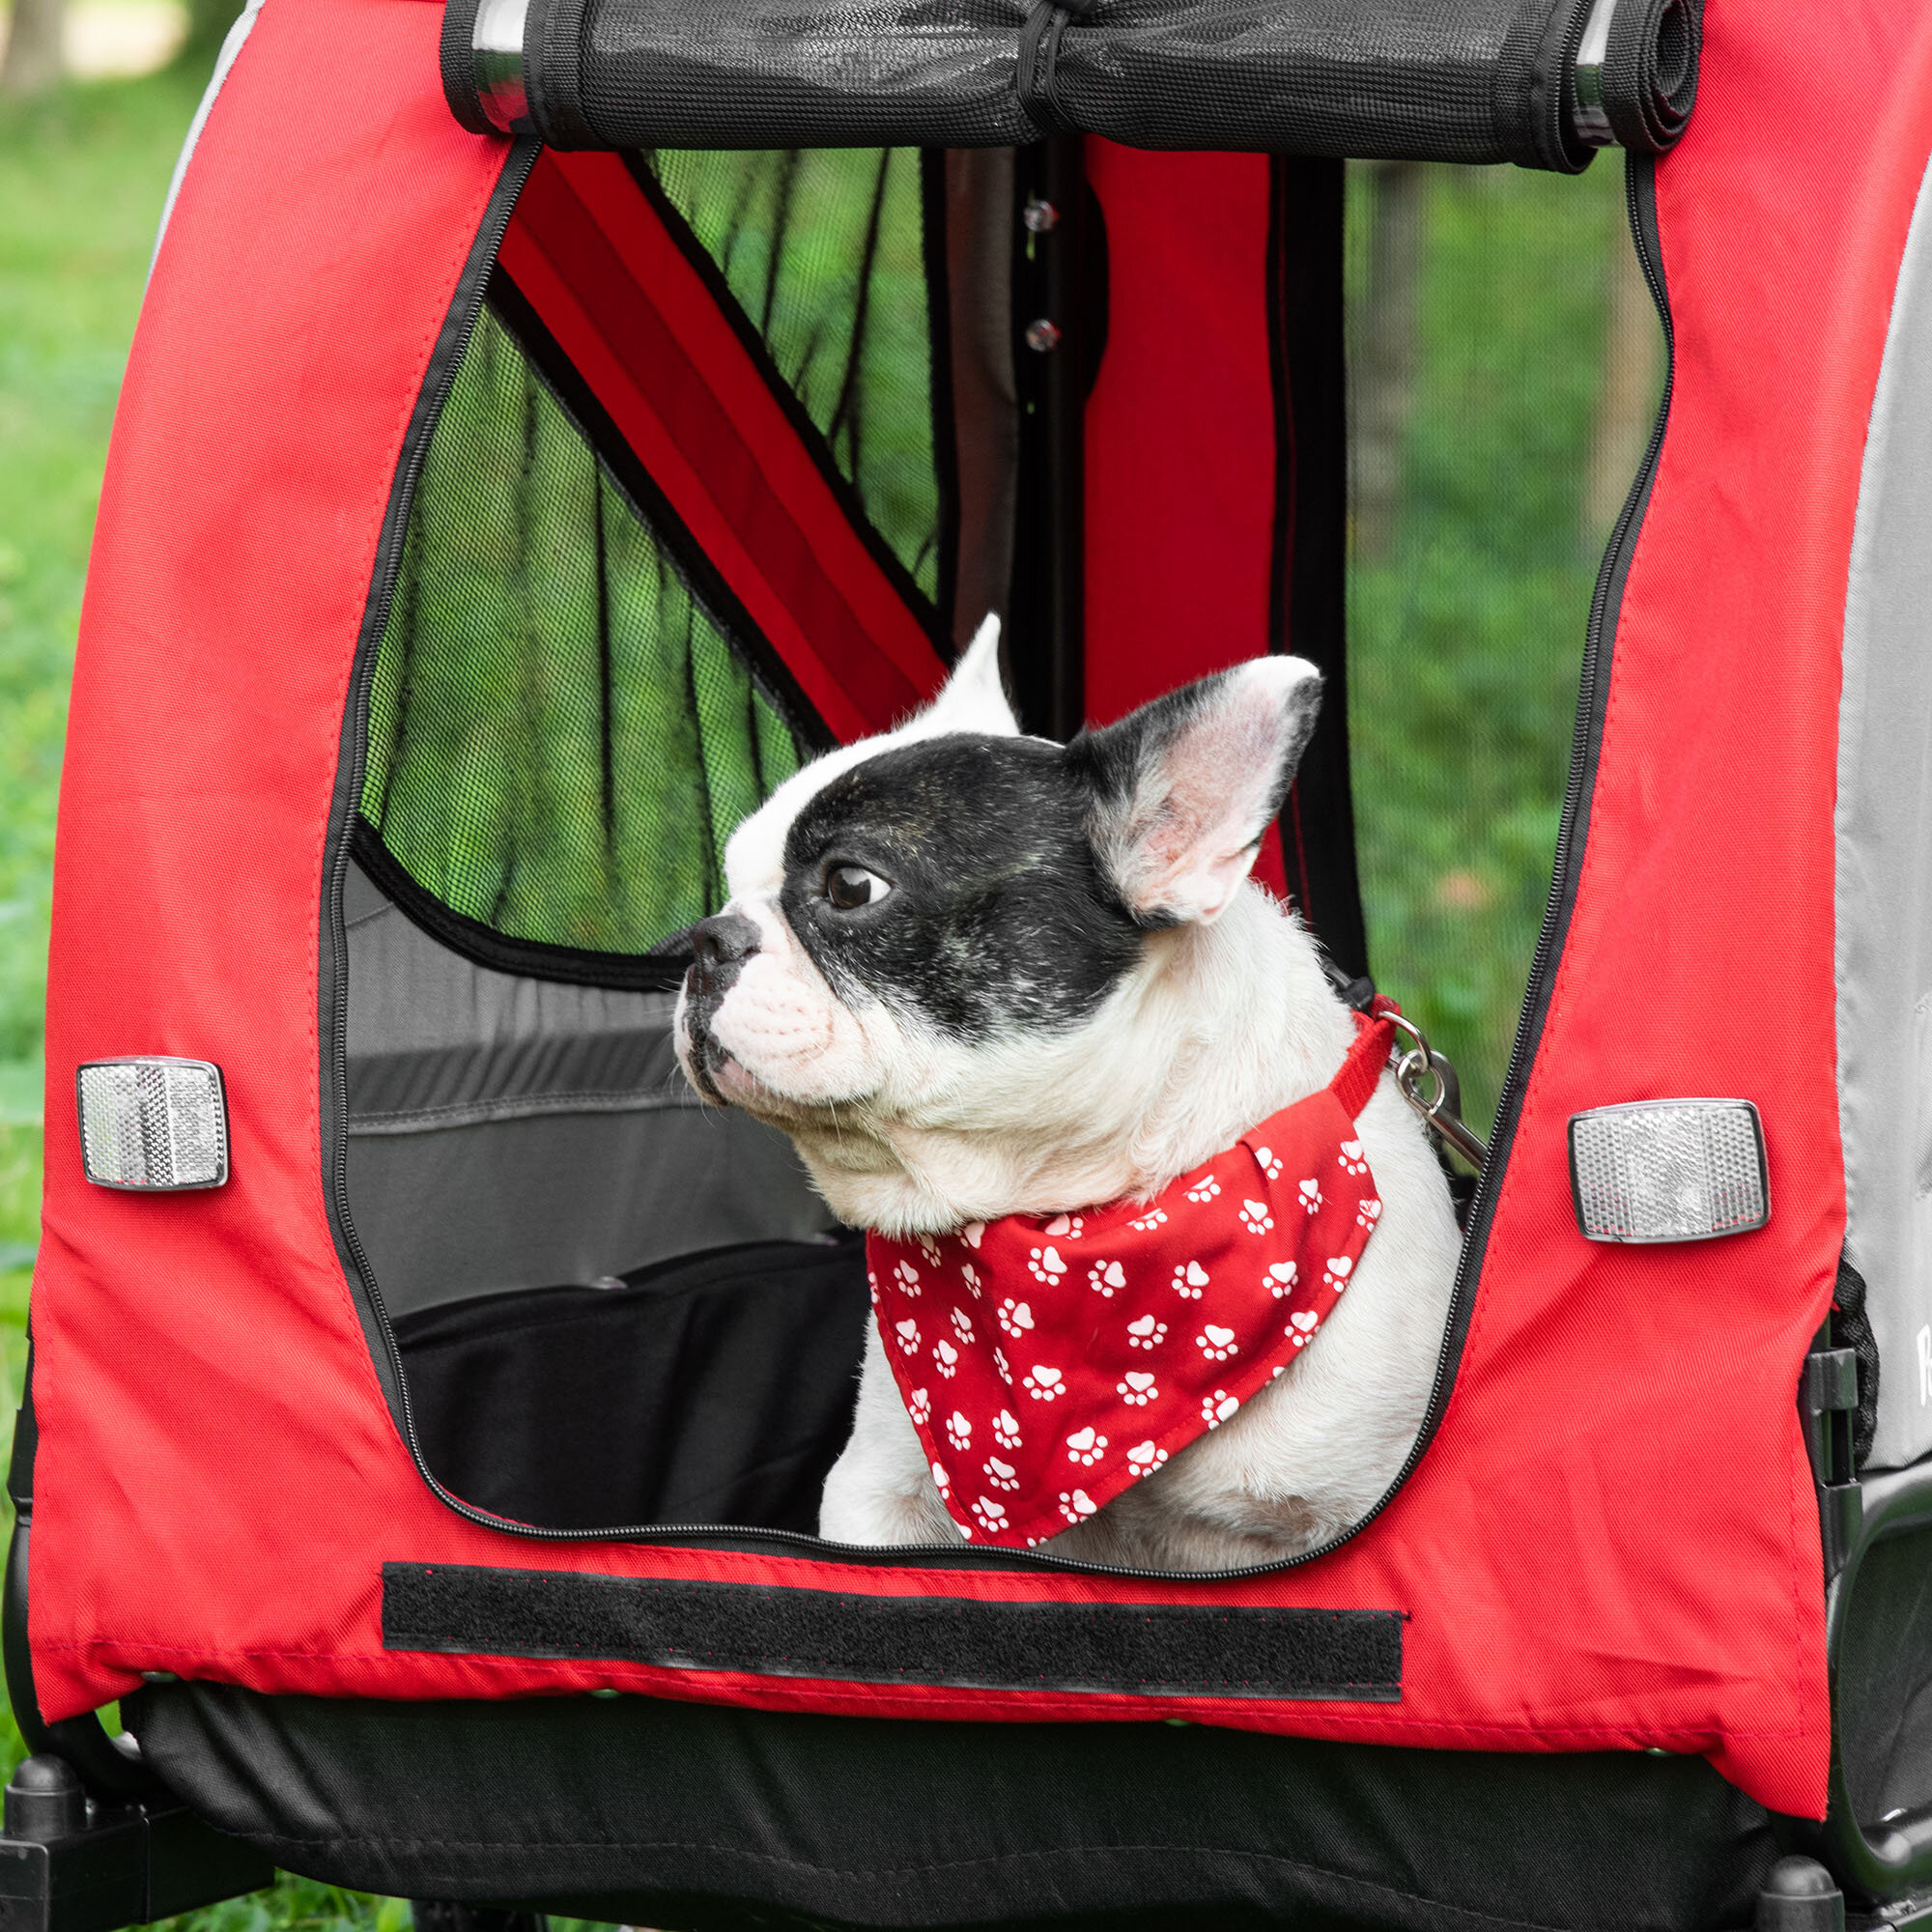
{"x":973,"y":698}
{"x":1184,"y":787}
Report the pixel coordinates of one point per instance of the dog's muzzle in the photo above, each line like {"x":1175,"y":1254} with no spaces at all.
{"x":719,"y":945}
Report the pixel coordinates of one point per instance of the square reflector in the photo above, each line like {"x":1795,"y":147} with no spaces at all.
{"x":1668,"y":1171}
{"x":153,"y":1122}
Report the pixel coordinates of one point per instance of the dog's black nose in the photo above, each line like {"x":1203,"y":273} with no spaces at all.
{"x":724,"y":939}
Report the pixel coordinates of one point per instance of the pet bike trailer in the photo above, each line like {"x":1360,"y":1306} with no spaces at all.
{"x":429,"y":1402}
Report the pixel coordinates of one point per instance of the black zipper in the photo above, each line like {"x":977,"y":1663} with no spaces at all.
{"x":1641,"y":203}
{"x":1555,"y":919}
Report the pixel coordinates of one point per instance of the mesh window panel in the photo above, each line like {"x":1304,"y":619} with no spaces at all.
{"x":1506,"y":363}
{"x":824,"y":253}
{"x":562,"y":737}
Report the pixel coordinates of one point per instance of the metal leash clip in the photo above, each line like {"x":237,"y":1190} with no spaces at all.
{"x":1443,"y":1110}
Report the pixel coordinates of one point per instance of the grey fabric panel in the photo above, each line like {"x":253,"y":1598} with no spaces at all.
{"x":509,"y":1133}
{"x":565,"y":1199}
{"x":1885,"y":866}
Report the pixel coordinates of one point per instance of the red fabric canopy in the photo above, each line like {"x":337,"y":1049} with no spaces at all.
{"x":1612,"y":1541}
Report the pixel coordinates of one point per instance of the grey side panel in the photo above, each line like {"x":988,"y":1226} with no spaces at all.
{"x":509,"y":1133}
{"x":1885,"y":866}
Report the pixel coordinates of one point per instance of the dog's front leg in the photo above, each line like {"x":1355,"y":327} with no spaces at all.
{"x":881,"y":1490}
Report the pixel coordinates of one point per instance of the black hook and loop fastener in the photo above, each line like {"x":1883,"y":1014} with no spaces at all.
{"x":1036,"y":77}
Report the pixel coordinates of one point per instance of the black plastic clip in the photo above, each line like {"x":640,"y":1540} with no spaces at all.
{"x":1827,"y":1398}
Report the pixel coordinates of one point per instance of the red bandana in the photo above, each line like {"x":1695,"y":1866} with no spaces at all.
{"x":1048,"y":1363}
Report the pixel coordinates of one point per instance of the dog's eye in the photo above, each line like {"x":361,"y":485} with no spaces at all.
{"x":849,"y":887}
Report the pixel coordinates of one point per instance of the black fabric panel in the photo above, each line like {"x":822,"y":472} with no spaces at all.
{"x":1443,"y":80}
{"x":1885,"y":1680}
{"x":1851,"y":1328}
{"x":698,"y":1817}
{"x":1309,"y":573}
{"x":715,"y":1388}
{"x":1204,"y":1649}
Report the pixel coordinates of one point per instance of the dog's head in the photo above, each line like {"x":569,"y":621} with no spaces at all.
{"x":930,"y":929}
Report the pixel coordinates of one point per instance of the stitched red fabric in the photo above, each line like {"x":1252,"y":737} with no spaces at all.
{"x":1050,"y":1362}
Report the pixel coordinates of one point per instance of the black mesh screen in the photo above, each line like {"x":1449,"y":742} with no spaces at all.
{"x":823,"y":252}
{"x":562,"y":735}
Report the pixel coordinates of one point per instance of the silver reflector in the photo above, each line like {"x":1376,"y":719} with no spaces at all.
{"x":153,"y":1122}
{"x":1668,"y":1171}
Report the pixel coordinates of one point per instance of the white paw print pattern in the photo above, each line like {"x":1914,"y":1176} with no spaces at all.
{"x":941,"y":1480}
{"x":1086,"y":1446}
{"x":1146,"y":1224}
{"x":1065,"y":1226}
{"x":946,"y":1358}
{"x":958,"y":1430}
{"x":907,"y":1332}
{"x":1353,"y":1158}
{"x":1000,"y":1367}
{"x":1203,"y":1189}
{"x":1104,"y":1278}
{"x":962,"y":1327}
{"x":1143,"y":1459}
{"x":1044,"y":1264}
{"x":970,"y":1275}
{"x":872,"y":1286}
{"x":1311,"y":1195}
{"x":1216,"y":1409}
{"x":989,"y":1514}
{"x":1076,"y":1505}
{"x":919,"y":1406}
{"x":1146,"y":1333}
{"x":1368,"y":1214}
{"x":1255,"y":1218}
{"x":1136,"y":1388}
{"x":1015,"y":1318}
{"x":905,"y":1277}
{"x":1002,"y":1475}
{"x":1301,"y":1327}
{"x":1007,"y":1430}
{"x":1189,"y":1281}
{"x":1280,"y":1278}
{"x":1338,"y":1271}
{"x":1043,"y":1383}
{"x":972,"y":1233}
{"x":929,"y":1248}
{"x":1217,"y":1344}
{"x":1269,"y":1162}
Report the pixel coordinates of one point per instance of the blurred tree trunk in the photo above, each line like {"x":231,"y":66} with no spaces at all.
{"x":208,"y":24}
{"x":31,"y":63}
{"x":1386,"y":347}
{"x":1633,"y":381}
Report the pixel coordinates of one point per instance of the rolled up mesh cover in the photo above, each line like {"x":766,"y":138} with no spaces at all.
{"x":1444,"y":80}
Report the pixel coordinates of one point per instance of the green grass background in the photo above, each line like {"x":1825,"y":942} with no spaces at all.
{"x":1467,"y":636}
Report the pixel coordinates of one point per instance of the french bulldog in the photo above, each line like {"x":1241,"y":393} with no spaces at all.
{"x":973,"y":974}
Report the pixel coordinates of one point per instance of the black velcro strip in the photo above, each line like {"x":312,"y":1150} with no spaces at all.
{"x":1197,"y":1649}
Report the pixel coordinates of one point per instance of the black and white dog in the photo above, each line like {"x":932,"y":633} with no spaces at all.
{"x":974,"y":974}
